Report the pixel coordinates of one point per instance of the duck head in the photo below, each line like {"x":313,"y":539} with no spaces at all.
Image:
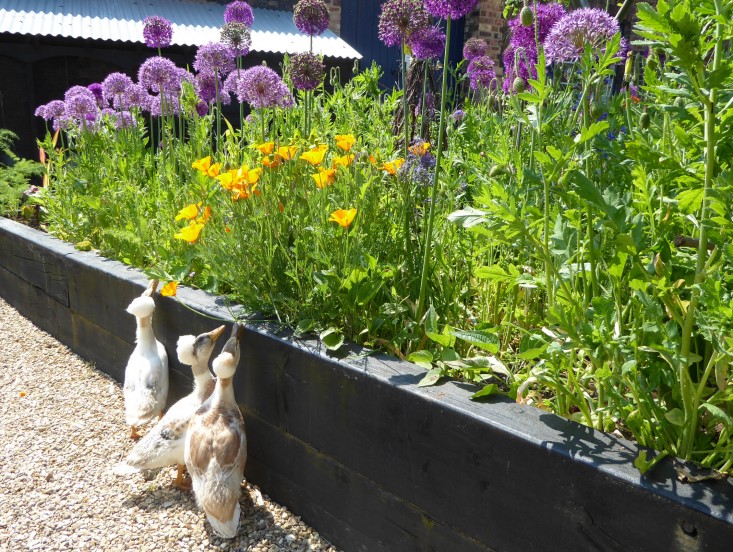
{"x":197,"y":350}
{"x":226,"y":363}
{"x":142,"y":307}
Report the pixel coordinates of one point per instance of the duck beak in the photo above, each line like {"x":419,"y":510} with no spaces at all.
{"x":152,"y":286}
{"x":232,"y":344}
{"x":214,"y":334}
{"x":238,"y":330}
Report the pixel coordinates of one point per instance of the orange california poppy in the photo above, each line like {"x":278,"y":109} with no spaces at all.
{"x":189,"y":212}
{"x":345,"y":141}
{"x":324,"y":177}
{"x":287,"y":152}
{"x":315,"y":155}
{"x":419,"y":149}
{"x":204,"y":166}
{"x":271,"y":161}
{"x":392,"y":166}
{"x":266,"y":148}
{"x":169,"y":290}
{"x":343,"y":161}
{"x":343,"y":217}
{"x":191,"y":232}
{"x":229,"y":179}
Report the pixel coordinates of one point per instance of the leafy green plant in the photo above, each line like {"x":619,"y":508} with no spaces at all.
{"x":15,"y":174}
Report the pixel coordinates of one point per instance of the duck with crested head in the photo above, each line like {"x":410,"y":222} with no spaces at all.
{"x":146,"y":374}
{"x":216,"y":445}
{"x":163,"y":444}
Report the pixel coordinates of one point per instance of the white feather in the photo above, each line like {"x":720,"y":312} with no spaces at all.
{"x":185,"y":349}
{"x":224,"y":365}
{"x":141,"y":307}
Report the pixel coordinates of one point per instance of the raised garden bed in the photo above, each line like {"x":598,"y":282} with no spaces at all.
{"x":364,"y":455}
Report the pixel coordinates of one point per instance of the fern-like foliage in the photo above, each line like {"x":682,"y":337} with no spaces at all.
{"x":15,"y":173}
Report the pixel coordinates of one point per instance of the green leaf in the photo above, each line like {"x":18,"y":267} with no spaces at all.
{"x":719,"y":414}
{"x":305,"y":325}
{"x":495,"y":273}
{"x":690,"y":201}
{"x":485,"y":340}
{"x":367,"y":291}
{"x":468,"y":217}
{"x":676,"y":417}
{"x":422,"y":358}
{"x":332,"y":338}
{"x":487,"y":391}
{"x":431,"y":378}
{"x":590,"y":132}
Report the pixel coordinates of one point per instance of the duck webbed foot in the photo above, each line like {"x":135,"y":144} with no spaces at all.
{"x":134,"y":435}
{"x":183,"y":480}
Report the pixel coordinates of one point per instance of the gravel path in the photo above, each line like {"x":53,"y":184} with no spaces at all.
{"x":62,"y":429}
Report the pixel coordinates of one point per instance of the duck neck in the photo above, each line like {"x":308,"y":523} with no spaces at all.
{"x":144,"y":334}
{"x":224,"y":391}
{"x":201,"y":378}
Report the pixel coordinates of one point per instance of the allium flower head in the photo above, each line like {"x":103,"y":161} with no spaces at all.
{"x":399,"y":19}
{"x":158,"y":74}
{"x":455,"y":9}
{"x":54,"y":109}
{"x":96,"y":89}
{"x":311,"y":16}
{"x":239,"y":12}
{"x":569,"y":36}
{"x":136,"y":97}
{"x":157,"y":32}
{"x":427,"y":43}
{"x":475,"y":47}
{"x":306,"y":70}
{"x":114,"y":87}
{"x":237,"y":36}
{"x":207,"y":84}
{"x":481,"y":73}
{"x":202,"y":108}
{"x":214,"y":57}
{"x":546,"y":16}
{"x":260,"y":87}
{"x":76,"y":91}
{"x":80,"y":107}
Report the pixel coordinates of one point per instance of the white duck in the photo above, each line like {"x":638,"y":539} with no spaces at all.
{"x":216,"y":446}
{"x":163,"y":444}
{"x":146,"y":374}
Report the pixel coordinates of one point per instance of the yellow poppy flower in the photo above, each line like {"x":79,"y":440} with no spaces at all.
{"x":343,"y":217}
{"x":271,"y":162}
{"x":252,"y":175}
{"x":287,"y":152}
{"x":214,"y":170}
{"x":190,"y":233}
{"x":345,"y":141}
{"x":169,"y":290}
{"x":189,"y":212}
{"x":315,"y":155}
{"x":325,"y":177}
{"x":419,"y":149}
{"x":202,"y":165}
{"x":266,"y":148}
{"x":229,"y":179}
{"x":205,"y":215}
{"x":392,"y":166}
{"x":343,"y":161}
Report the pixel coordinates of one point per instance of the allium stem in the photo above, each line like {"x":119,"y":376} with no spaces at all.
{"x":434,"y":191}
{"x":404,"y":98}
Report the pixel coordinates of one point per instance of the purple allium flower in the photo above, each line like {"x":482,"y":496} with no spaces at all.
{"x":165,"y":104}
{"x":157,"y":32}
{"x":259,"y":86}
{"x":568,"y":37}
{"x":475,"y":47}
{"x":136,"y":97}
{"x":481,"y":73}
{"x":546,"y":16}
{"x":458,"y":115}
{"x":518,"y":62}
{"x":207,"y":84}
{"x":55,"y":109}
{"x":239,"y":12}
{"x":124,"y":119}
{"x":214,"y":57}
{"x":82,"y":108}
{"x":202,"y":108}
{"x":427,"y":43}
{"x":237,"y":36}
{"x":114,"y":87}
{"x":158,"y":74}
{"x":78,"y":90}
{"x":399,"y":19}
{"x":41,"y":111}
{"x":311,"y":16}
{"x":455,"y":9}
{"x":306,"y":70}
{"x":96,"y":89}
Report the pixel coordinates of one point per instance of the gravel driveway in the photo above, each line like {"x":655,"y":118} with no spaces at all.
{"x":61,"y":430}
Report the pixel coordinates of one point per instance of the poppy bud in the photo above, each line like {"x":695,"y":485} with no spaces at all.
{"x":644,"y":120}
{"x":526,"y":16}
{"x":518,"y":85}
{"x":679,"y":102}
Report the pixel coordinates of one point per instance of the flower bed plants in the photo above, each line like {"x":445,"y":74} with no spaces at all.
{"x":563,"y":240}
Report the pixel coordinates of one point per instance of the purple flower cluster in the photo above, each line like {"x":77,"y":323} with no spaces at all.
{"x":399,"y":19}
{"x":157,"y":32}
{"x":54,"y":111}
{"x":206,"y":85}
{"x":306,"y":70}
{"x":474,"y":48}
{"x":214,"y":57}
{"x":158,"y":74}
{"x":237,"y":36}
{"x":96,"y":89}
{"x":427,"y":43}
{"x":481,"y":73}
{"x":587,"y":26}
{"x":239,"y":12}
{"x":82,"y":108}
{"x":136,"y":97}
{"x":114,"y":88}
{"x":311,"y":16}
{"x":259,"y":86}
{"x":520,"y":57}
{"x":455,"y":9}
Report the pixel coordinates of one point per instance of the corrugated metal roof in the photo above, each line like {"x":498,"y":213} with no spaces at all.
{"x":195,"y":22}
